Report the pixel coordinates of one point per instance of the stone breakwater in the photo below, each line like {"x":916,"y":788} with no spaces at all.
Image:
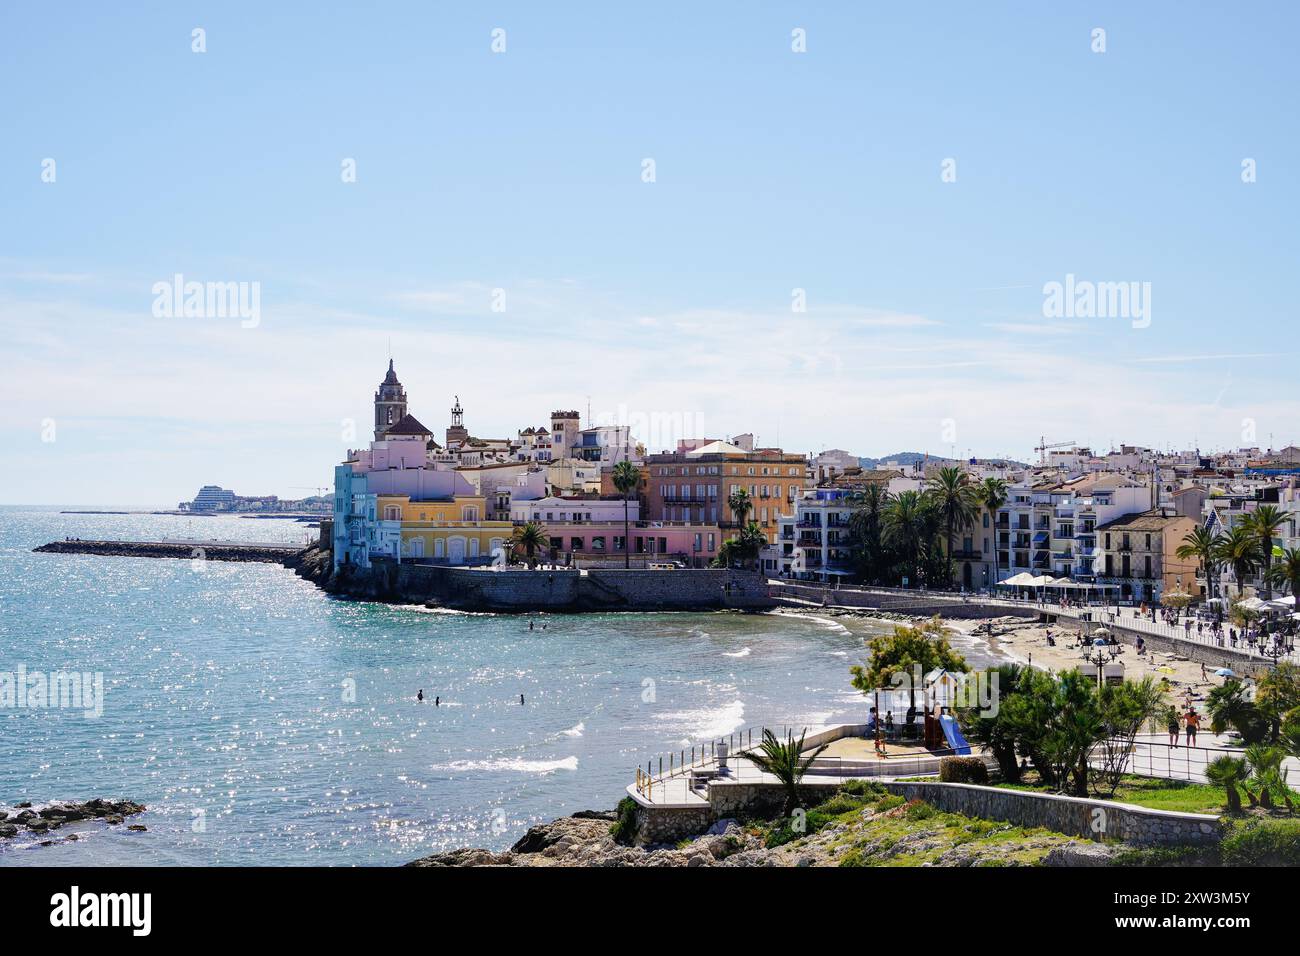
{"x":519,"y":590}
{"x":196,"y":550}
{"x":39,"y":822}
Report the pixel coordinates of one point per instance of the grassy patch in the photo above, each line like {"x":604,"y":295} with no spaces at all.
{"x":878,"y":828}
{"x":1156,"y":793}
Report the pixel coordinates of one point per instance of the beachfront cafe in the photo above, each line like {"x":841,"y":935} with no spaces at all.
{"x":1036,"y":587}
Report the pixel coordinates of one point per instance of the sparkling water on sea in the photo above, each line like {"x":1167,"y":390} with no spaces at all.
{"x":226,"y":707}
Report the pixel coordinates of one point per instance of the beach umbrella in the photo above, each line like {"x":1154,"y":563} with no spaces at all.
{"x":1166,"y":669}
{"x":1224,"y":672}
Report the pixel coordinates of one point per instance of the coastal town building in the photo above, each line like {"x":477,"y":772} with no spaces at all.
{"x":813,"y":542}
{"x":1050,"y":527}
{"x":212,"y":499}
{"x":695,"y":486}
{"x":576,"y":510}
{"x":1137,"y":556}
{"x":454,"y":530}
{"x":601,"y":543}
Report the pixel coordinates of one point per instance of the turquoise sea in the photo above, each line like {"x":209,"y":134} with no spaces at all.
{"x":263,"y":722}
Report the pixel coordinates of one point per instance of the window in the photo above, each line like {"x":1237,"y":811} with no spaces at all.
{"x":619,"y":544}
{"x":598,"y":543}
{"x":469,"y":513}
{"x":575,"y":544}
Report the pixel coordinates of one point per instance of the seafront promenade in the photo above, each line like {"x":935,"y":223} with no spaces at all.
{"x":951,"y":604}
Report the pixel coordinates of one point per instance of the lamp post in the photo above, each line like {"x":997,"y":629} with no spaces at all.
{"x":1101,"y":656}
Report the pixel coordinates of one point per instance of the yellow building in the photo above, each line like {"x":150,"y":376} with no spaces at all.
{"x":449,"y":529}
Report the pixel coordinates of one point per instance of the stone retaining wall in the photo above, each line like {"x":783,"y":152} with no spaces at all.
{"x":521,"y":590}
{"x":1077,"y":816}
{"x":1243,"y":664}
{"x":916,"y":602}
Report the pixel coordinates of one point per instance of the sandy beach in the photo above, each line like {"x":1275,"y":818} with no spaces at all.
{"x":1026,"y":643}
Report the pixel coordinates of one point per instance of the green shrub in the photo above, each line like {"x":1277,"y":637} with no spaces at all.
{"x":841,"y":803}
{"x":867,"y":788}
{"x":917,"y":810}
{"x":623,"y":829}
{"x":1262,"y":843}
{"x":963,"y":770}
{"x":888,"y":802}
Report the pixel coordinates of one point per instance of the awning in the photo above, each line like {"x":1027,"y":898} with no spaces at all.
{"x":1022,"y":580}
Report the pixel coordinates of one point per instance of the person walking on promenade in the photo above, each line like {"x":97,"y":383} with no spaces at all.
{"x":1171,"y":724}
{"x":1193,"y":722}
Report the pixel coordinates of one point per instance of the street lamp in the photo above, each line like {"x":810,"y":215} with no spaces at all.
{"x":1101,"y":655}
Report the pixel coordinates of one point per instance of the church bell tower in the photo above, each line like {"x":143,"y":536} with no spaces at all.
{"x":457,"y":433}
{"x":390,"y":403}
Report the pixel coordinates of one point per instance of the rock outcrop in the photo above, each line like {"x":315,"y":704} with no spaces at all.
{"x":16,"y":820}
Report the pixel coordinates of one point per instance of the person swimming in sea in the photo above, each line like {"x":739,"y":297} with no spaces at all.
{"x":420,"y":695}
{"x":521,"y":700}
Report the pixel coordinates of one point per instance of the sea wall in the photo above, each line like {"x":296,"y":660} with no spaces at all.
{"x":1245,"y":665}
{"x":1076,"y":816}
{"x":900,"y":602}
{"x":522,"y":590}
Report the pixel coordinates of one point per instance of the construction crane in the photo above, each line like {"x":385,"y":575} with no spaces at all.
{"x":1043,"y":448}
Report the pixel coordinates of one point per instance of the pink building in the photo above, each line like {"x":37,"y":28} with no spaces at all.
{"x":651,"y":541}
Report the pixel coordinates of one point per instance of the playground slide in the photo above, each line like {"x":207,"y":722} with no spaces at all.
{"x":955,"y":740}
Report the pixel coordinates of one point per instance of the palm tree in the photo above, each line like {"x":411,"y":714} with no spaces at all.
{"x":865,"y":526}
{"x":627,"y":477}
{"x":1287,"y":573}
{"x":954,"y":499}
{"x":1229,"y":773}
{"x":1229,"y":707}
{"x":786,"y":761}
{"x":906,"y":525}
{"x":530,"y":538}
{"x":1202,"y":545}
{"x":1239,"y":550}
{"x":1266,"y":521}
{"x":1267,"y":778}
{"x":741,"y":505}
{"x":752,"y":540}
{"x":992,"y":494}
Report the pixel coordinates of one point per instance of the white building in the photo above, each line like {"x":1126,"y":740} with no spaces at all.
{"x":554,"y":508}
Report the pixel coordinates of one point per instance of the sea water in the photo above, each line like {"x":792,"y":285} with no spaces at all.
{"x":265,"y":722}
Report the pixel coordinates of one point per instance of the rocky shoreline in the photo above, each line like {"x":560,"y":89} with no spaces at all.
{"x":883,"y":833}
{"x":24,"y":818}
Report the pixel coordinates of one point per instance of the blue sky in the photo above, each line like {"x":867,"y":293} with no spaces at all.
{"x":522,"y":171}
